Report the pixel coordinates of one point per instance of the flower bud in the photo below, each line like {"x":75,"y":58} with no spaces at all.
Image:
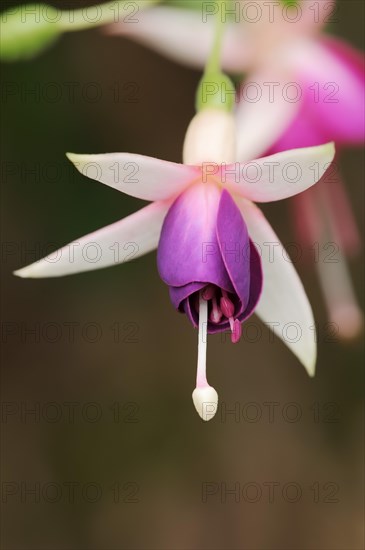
{"x":210,"y":138}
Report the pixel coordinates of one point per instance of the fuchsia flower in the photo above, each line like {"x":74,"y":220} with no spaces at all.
{"x":275,"y":46}
{"x":204,"y":225}
{"x":302,"y":88}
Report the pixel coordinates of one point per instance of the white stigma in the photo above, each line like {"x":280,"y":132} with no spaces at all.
{"x":205,"y":397}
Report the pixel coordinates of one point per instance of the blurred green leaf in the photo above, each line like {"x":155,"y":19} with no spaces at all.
{"x":186,"y":4}
{"x":289,"y":3}
{"x":27,"y":30}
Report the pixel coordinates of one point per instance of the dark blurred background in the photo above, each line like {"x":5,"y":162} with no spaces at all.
{"x":102,"y":447}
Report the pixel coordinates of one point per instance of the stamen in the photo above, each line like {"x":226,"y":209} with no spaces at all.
{"x":227,"y":305}
{"x":208,"y":292}
{"x":205,"y":397}
{"x":216,"y":314}
{"x":236,"y":332}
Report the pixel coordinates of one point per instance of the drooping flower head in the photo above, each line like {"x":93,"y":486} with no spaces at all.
{"x":211,"y":239}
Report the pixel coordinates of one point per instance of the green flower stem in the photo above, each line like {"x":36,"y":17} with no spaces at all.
{"x":216,"y":90}
{"x":214,"y":62}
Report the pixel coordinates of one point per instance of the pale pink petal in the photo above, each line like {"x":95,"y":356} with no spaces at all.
{"x":253,"y":30}
{"x":120,"y":242}
{"x":278,"y":176}
{"x":183,"y":36}
{"x":136,"y":175}
{"x":273,"y":27}
{"x":313,"y":16}
{"x":266,"y":107}
{"x":284,"y":305}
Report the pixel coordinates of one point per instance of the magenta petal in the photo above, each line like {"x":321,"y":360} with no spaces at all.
{"x":304,"y":131}
{"x":347,"y":122}
{"x":334,"y":89}
{"x":188,"y":250}
{"x":333,"y":102}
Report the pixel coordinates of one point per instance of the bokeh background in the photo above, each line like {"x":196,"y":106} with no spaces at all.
{"x":129,"y":467}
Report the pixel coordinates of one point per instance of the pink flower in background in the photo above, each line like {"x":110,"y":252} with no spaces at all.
{"x":302,"y":88}
{"x":329,"y":77}
{"x":323,"y":217}
{"x":287,"y":60}
{"x":325,"y":227}
{"x":215,"y":247}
